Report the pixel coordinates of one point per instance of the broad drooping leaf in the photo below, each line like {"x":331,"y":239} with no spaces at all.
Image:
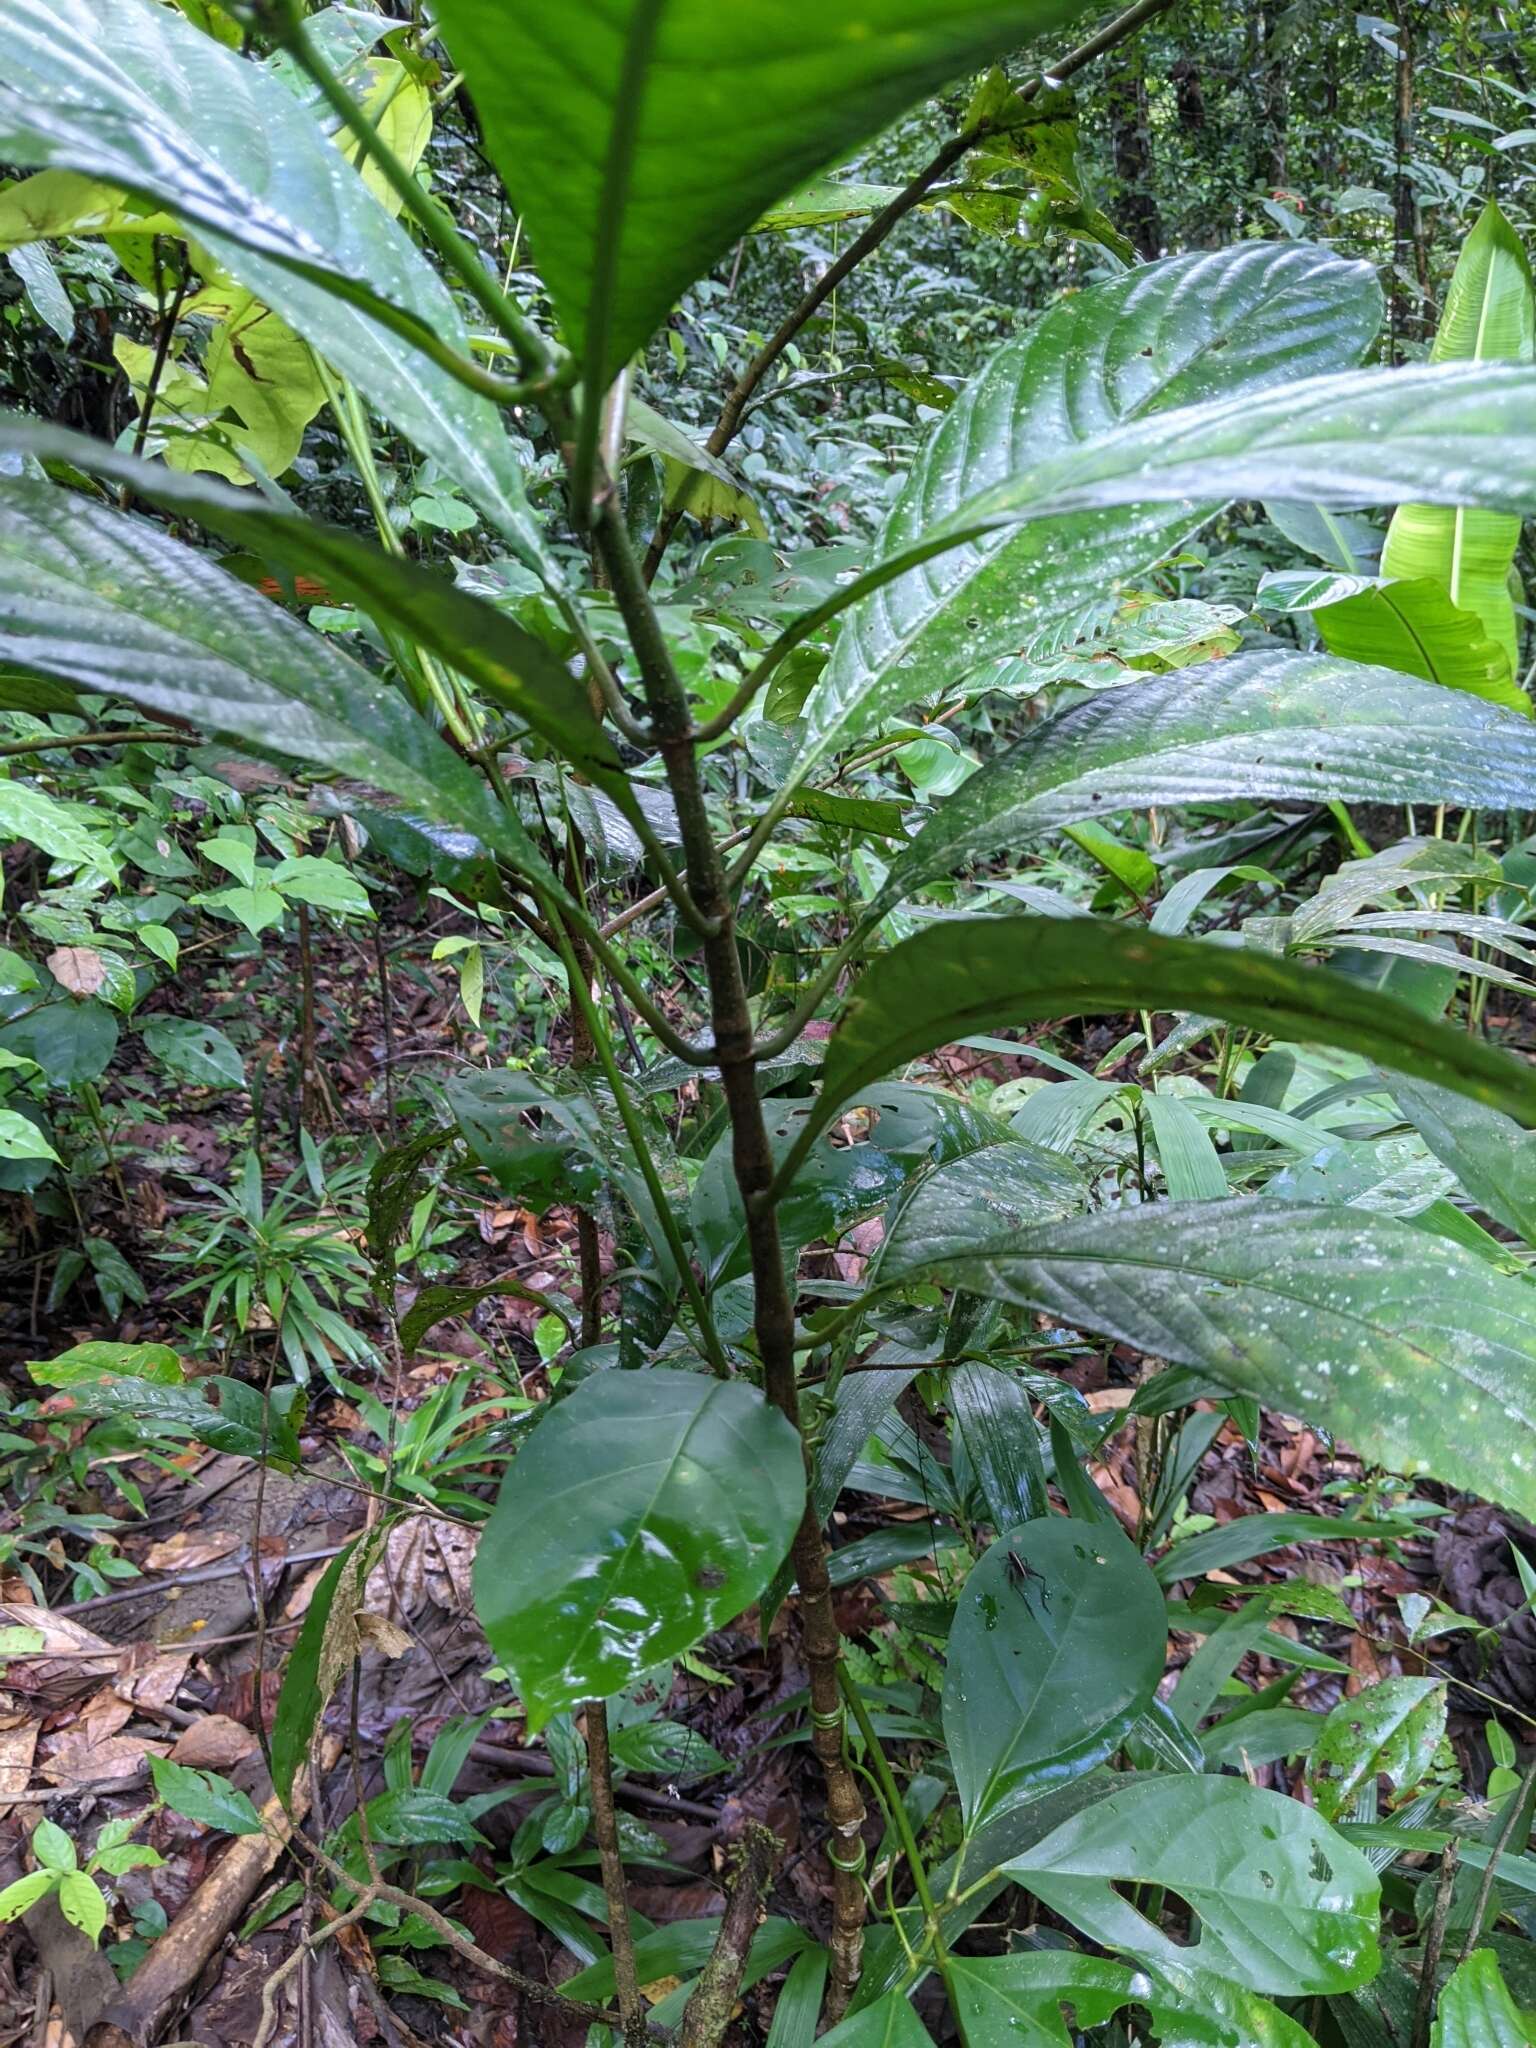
{"x":1015,"y":2001}
{"x":1413,"y":626}
{"x":1170,"y":335}
{"x":645,"y":1510}
{"x":1489,"y":316}
{"x":1057,"y":1648}
{"x":1011,"y":1183}
{"x":106,"y":601}
{"x":130,"y":93}
{"x":1492,"y":1157}
{"x":639,"y":139}
{"x":515,"y":670}
{"x":1476,"y":2009}
{"x":1416,"y":1352}
{"x":1286,"y":1906}
{"x":1264,"y":725}
{"x":977,"y":973}
{"x":1390,"y":1730}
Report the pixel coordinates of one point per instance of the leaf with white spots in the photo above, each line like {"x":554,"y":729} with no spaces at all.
{"x":1416,"y":1353}
{"x":645,"y":1510}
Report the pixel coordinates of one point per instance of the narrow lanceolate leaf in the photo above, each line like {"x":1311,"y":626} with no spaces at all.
{"x":639,"y":138}
{"x":1412,"y":1350}
{"x":1492,"y":1157}
{"x":1058,"y":1645}
{"x":646,"y":1509}
{"x":978,"y":973}
{"x":106,"y":601}
{"x":1173,"y":334}
{"x":1262,"y":726}
{"x":1490,"y":316}
{"x":1285,"y":1905}
{"x":515,"y":670}
{"x":131,"y":93}
{"x":1476,"y":2008}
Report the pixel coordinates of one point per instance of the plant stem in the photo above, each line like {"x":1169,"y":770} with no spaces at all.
{"x":605,"y":1826}
{"x":1434,"y":1943}
{"x":774,"y":1317}
{"x":113,"y":736}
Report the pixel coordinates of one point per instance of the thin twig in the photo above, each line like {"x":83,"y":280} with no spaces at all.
{"x":605,"y":1827}
{"x":1434,"y":1942}
{"x":1518,"y":1804}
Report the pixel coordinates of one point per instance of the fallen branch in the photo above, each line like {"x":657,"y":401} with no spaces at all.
{"x":708,"y":2012}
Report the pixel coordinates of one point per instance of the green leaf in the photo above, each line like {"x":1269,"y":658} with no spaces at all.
{"x":41,"y":820}
{"x":1476,"y":2010}
{"x":20,"y":1139}
{"x":109,"y":602}
{"x":891,"y":2023}
{"x":98,"y":1358}
{"x":1489,"y":316}
{"x":19,"y":1897}
{"x":1415,"y":626}
{"x":156,"y":1411}
{"x":1390,"y":1730}
{"x":132,"y":94}
{"x":1015,"y":2001}
{"x":326,"y":884}
{"x":1413,"y":1350}
{"x":979,"y":973}
{"x":70,"y":1041}
{"x":205,"y":1797}
{"x":1264,"y":725}
{"x":997,"y":1425}
{"x":194,"y":1051}
{"x":645,"y":1510}
{"x":81,"y":1903}
{"x":1492,"y":1157}
{"x":1162,"y":337}
{"x":52,"y":1847}
{"x":1286,"y":1905}
{"x":635,"y":165}
{"x":515,"y":670}
{"x":322,"y":1651}
{"x":1048,"y":1665}
{"x":1015,"y":1183}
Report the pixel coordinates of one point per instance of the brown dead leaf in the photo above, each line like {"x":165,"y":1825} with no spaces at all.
{"x":80,"y":969}
{"x":378,"y":1632}
{"x":426,"y":1563}
{"x":152,"y":1676}
{"x":214,"y":1743}
{"x":103,"y":1715}
{"x":18,"y":1740}
{"x":190,"y":1549}
{"x":72,"y":1660}
{"x":79,"y":1760}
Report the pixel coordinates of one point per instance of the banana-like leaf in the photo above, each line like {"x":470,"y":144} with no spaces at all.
{"x":1490,"y":316}
{"x":1162,"y":338}
{"x":639,"y":138}
{"x":977,"y":973}
{"x":106,"y":601}
{"x":132,"y":94}
{"x":1415,"y":627}
{"x":514,"y":669}
{"x":1262,"y":726}
{"x":1414,"y":1351}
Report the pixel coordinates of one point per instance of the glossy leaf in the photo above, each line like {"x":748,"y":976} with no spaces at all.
{"x":310,"y":1675}
{"x":107,"y":601}
{"x":515,"y":670}
{"x":645,"y":1510}
{"x":997,"y":1426}
{"x":889,"y":2023}
{"x":1169,"y":335}
{"x":1390,"y":1730}
{"x":1413,"y":1350}
{"x":1286,"y":1906}
{"x":978,"y":973}
{"x":1476,"y":2009}
{"x":1057,"y":1648}
{"x":1015,"y":2001}
{"x":1264,"y":725}
{"x":81,"y":1903}
{"x":121,"y":90}
{"x":638,"y":140}
{"x":1492,"y":1157}
{"x":1414,"y":625}
{"x":1489,"y":316}
{"x":205,"y":1797}
{"x":1016,"y":1183}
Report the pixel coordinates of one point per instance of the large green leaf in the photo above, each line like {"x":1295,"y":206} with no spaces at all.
{"x":639,"y":138}
{"x":978,"y":973}
{"x":131,"y":93}
{"x":1414,"y":626}
{"x":1286,"y":1906}
{"x":1262,"y":726}
{"x":107,"y":601}
{"x":1170,"y":335}
{"x":1015,"y":2001}
{"x":1489,"y":316}
{"x":646,"y":1509}
{"x":515,"y":670}
{"x":1476,"y":2010}
{"x":1391,"y":1731}
{"x":1010,"y":1184}
{"x":1057,"y":1648}
{"x":891,"y":2023}
{"x":1492,"y":1157}
{"x":1416,"y":1352}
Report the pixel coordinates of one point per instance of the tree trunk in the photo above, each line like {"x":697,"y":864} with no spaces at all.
{"x":1135,"y":209}
{"x":1410,"y":253}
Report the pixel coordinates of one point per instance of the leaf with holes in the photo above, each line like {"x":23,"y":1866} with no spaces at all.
{"x":1390,"y":1730}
